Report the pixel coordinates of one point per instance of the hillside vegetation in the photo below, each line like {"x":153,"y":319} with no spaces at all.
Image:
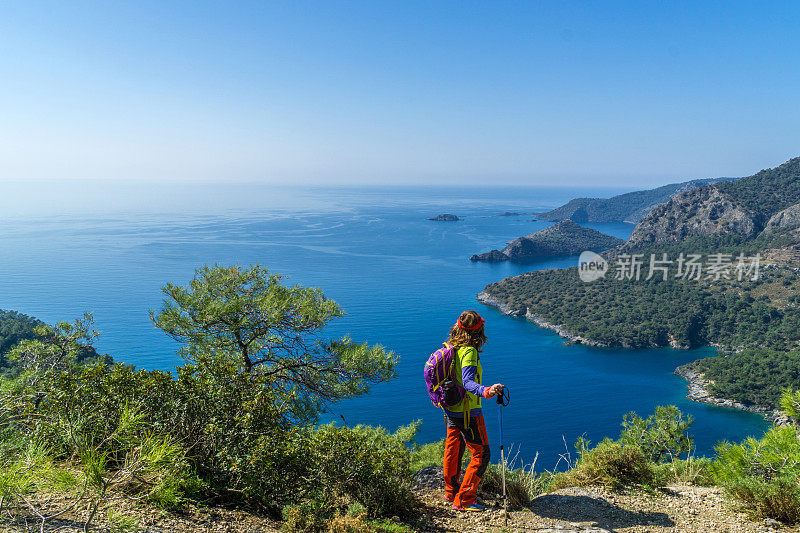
{"x":236,"y":424}
{"x":734,"y":314}
{"x":629,"y":207}
{"x":652,"y":313}
{"x":768,"y":191}
{"x":94,"y":445}
{"x":14,"y":327}
{"x":561,"y":239}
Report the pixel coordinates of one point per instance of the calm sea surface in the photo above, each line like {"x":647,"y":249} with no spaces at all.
{"x":402,"y":280}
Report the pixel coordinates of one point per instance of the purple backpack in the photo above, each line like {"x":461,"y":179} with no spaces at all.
{"x":443,"y":388}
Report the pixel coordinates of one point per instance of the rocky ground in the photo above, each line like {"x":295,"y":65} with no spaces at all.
{"x":149,"y":519}
{"x":681,"y":508}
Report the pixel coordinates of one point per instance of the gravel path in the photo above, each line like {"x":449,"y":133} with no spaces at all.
{"x":677,"y":508}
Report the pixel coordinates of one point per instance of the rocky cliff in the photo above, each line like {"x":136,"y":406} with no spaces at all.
{"x":789,"y":217}
{"x":629,"y":207}
{"x":699,"y":211}
{"x":561,"y":239}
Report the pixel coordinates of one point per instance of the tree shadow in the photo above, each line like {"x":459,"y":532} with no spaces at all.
{"x":601,"y":513}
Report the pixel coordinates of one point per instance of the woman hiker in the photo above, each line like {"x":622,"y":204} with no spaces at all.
{"x":468,"y":335}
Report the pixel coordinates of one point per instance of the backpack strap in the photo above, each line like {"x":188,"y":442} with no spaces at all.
{"x":465,"y":408}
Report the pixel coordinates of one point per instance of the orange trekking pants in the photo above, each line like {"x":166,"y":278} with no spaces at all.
{"x":463,"y":492}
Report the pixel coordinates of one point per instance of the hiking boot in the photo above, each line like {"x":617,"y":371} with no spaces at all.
{"x":473,"y":507}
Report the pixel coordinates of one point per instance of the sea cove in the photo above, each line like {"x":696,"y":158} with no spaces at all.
{"x":401,"y":278}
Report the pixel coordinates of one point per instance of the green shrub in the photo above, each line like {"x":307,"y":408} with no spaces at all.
{"x":522,"y":485}
{"x":763,"y":474}
{"x":610,"y":463}
{"x":21,"y":469}
{"x":692,"y":471}
{"x":647,"y":453}
{"x":778,"y":498}
{"x":369,"y":465}
{"x":348,"y":524}
{"x":310,"y":514}
{"x":234,"y":424}
{"x":790,"y":402}
{"x":240,"y":451}
{"x":425,"y":455}
{"x":662,"y":435}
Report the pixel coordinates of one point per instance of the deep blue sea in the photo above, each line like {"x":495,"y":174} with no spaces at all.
{"x":403,"y":280}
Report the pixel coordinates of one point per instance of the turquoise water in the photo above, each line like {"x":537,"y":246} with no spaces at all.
{"x":402,"y":280}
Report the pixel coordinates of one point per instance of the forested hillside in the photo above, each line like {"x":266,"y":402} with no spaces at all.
{"x":767,"y":192}
{"x":628,"y":207}
{"x":561,"y":239}
{"x":722,"y":223}
{"x":645,"y":313}
{"x":230,"y":440}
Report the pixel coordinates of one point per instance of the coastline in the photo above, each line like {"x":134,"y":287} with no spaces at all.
{"x":487,"y":299}
{"x":696,"y":383}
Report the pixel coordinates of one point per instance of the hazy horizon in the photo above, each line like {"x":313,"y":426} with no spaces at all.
{"x":420,"y":93}
{"x":85,"y":199}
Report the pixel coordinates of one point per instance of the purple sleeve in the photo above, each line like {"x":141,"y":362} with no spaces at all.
{"x":468,"y":379}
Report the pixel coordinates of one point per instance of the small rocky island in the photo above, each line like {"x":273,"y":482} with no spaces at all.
{"x":561,"y":239}
{"x":445,"y":217}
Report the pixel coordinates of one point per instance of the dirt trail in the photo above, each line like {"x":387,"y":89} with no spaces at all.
{"x":678,"y":508}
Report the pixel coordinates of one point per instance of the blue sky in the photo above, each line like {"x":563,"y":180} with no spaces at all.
{"x":473,"y":93}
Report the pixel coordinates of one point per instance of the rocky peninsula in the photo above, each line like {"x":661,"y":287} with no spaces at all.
{"x":697,"y":383}
{"x":563,"y":238}
{"x":487,"y":299}
{"x":698,"y":387}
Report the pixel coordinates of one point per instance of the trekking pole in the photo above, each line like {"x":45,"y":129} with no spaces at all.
{"x":503,"y":399}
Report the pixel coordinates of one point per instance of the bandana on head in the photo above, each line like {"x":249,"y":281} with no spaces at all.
{"x":471,"y":328}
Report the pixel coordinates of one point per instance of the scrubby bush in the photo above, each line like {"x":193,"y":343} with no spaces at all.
{"x":661,"y":436}
{"x":790,"y":403}
{"x":127,"y":460}
{"x":425,"y":455}
{"x":212,"y":431}
{"x":367,"y":464}
{"x":778,"y":498}
{"x":647,"y":453}
{"x":763,"y":474}
{"x":522,"y":484}
{"x":610,"y":463}
{"x":350,"y":476}
{"x":348,"y":524}
{"x":310,"y":514}
{"x":692,"y":470}
{"x":665,"y":441}
{"x":27,"y":467}
{"x":226,"y":422}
